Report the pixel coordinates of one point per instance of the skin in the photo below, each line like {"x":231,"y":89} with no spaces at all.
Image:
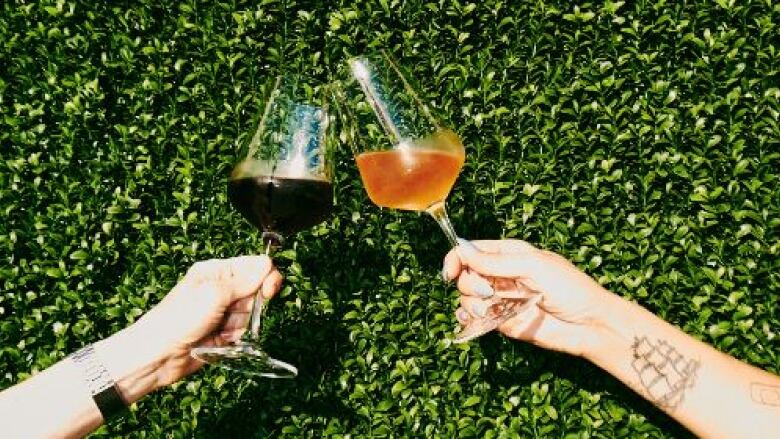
{"x":571,"y":302}
{"x":712,"y":394}
{"x":210,"y":306}
{"x":717,"y":396}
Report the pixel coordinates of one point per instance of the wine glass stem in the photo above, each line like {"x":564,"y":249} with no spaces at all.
{"x":256,"y":318}
{"x":439,"y":213}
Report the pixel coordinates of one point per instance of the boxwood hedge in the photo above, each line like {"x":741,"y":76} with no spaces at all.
{"x":639,"y":139}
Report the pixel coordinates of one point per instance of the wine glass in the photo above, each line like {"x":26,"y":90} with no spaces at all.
{"x":408,"y":160}
{"x":281,"y":186}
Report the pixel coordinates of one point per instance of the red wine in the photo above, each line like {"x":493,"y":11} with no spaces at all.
{"x":282,"y":205}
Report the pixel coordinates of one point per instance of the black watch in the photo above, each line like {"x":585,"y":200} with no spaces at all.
{"x":101,"y":385}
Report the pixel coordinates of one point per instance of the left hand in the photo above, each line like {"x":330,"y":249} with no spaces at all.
{"x":566,"y":310}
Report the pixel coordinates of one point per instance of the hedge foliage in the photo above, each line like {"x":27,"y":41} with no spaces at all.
{"x":639,"y":139}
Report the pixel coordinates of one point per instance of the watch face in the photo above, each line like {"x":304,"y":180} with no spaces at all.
{"x":99,"y":382}
{"x":97,"y":377}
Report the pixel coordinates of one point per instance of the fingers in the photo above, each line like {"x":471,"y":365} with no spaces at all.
{"x":512,"y":289}
{"x":237,"y":320}
{"x":245,"y":274}
{"x":502,"y":245}
{"x":271,"y":284}
{"x":463,"y":316}
{"x":453,"y":263}
{"x":521,"y":264}
{"x":239,"y":311}
{"x":480,"y":308}
{"x":238,"y":277}
{"x":242,"y":305}
{"x":232,"y":335}
{"x":472,"y":284}
{"x":525,"y":324}
{"x":214,"y":341}
{"x":452,"y":266}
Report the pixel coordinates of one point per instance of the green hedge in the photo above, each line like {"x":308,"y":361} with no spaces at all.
{"x":639,"y":139}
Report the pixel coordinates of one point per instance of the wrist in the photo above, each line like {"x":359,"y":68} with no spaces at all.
{"x":613,"y":329}
{"x":134,"y":368}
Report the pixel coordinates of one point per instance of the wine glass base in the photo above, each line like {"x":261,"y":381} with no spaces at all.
{"x":246,"y":358}
{"x":506,"y":309}
{"x":475,"y":329}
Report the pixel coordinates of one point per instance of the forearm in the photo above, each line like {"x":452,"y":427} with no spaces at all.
{"x":711,"y":393}
{"x":53,"y":403}
{"x":57,"y":401}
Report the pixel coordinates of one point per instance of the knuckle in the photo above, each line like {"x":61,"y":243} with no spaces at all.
{"x":196,"y":267}
{"x":229,"y":270}
{"x":206,"y":264}
{"x":262,"y":261}
{"x":199,"y":268}
{"x":209,"y":270}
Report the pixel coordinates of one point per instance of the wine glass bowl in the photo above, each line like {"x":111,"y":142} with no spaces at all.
{"x":413,"y":175}
{"x":406,"y":158}
{"x":281,"y":186}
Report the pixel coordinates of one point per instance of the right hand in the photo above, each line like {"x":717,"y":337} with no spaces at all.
{"x":210,"y":306}
{"x":566,"y":307}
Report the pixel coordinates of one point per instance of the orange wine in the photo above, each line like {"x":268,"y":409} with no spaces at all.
{"x":412,"y":177}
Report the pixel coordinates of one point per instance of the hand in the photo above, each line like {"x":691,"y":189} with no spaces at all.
{"x":565,"y":306}
{"x":210,"y":306}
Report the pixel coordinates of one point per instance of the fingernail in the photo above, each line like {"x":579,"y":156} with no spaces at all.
{"x":462,"y":315}
{"x":445,"y":275}
{"x":479,"y":309}
{"x":483,"y":290}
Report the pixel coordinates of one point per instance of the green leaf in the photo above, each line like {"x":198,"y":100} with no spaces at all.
{"x":79,"y":255}
{"x":472,"y":401}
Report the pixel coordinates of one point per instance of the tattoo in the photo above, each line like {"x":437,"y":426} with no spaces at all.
{"x":664,"y":373}
{"x":765,"y":394}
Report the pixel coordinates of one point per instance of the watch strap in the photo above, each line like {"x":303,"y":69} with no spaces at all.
{"x":100,"y":383}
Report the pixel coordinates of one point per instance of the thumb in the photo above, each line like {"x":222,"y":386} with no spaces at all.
{"x":496,"y":264}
